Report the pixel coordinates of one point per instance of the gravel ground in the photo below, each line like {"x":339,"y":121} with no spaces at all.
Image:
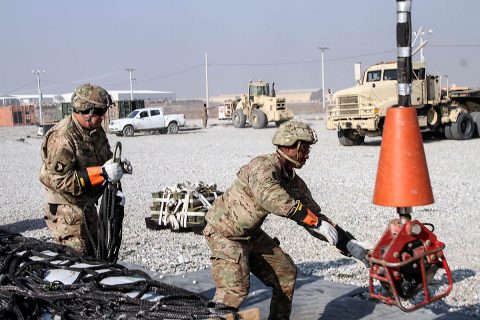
{"x":340,"y":178}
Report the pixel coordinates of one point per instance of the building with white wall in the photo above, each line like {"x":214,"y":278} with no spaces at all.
{"x":26,"y":99}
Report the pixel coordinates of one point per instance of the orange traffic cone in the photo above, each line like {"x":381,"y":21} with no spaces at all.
{"x":402,"y":175}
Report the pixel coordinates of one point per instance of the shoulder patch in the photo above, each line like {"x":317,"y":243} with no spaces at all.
{"x":59,"y":167}
{"x":63,"y":161}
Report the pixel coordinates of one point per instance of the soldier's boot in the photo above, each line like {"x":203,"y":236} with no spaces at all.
{"x":282,"y":297}
{"x":276,"y":270}
{"x":232,"y":297}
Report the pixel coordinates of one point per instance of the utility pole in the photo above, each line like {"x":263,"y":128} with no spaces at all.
{"x":130,"y":70}
{"x":37,"y":73}
{"x":420,"y":33}
{"x":422,"y":44}
{"x":206,"y":79}
{"x":322,"y":49}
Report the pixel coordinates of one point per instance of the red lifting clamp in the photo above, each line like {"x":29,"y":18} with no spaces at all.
{"x":405,"y":260}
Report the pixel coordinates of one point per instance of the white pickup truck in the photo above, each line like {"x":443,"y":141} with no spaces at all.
{"x":149,"y":119}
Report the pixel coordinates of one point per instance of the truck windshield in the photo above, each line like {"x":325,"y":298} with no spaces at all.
{"x":390,"y":74}
{"x":419,"y":73}
{"x":132,"y":114}
{"x":259,"y":91}
{"x":374,"y":75}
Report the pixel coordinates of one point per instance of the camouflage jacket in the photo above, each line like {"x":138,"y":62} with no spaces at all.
{"x":261,"y":187}
{"x":67,"y":148}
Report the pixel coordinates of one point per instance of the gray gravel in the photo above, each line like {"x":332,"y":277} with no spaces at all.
{"x":341,"y":179}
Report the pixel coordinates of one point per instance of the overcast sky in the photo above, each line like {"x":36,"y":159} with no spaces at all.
{"x":274,"y":40}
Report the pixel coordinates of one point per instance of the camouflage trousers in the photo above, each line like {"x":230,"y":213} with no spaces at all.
{"x":232,"y":262}
{"x":68,"y":226}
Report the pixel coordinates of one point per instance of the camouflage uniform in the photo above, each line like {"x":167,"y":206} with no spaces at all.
{"x":238,"y":244}
{"x":66,"y":149}
{"x":204,"y":116}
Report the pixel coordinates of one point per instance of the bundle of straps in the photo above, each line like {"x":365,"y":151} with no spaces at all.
{"x":110,"y":219}
{"x":184,"y":204}
{"x":40,"y":279}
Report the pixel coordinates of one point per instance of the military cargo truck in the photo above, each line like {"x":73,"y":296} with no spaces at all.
{"x":360,"y":111}
{"x":259,"y":107}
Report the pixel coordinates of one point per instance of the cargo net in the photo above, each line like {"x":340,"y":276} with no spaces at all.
{"x":182,"y":207}
{"x":50,"y":281}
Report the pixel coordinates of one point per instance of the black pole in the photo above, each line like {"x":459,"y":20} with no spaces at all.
{"x":404,"y":52}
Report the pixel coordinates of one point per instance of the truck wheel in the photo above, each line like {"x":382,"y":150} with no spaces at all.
{"x":464,"y":128}
{"x":128,"y":131}
{"x":434,"y":119}
{"x":447,"y":130}
{"x":172,"y":128}
{"x":350,"y":137}
{"x":259,"y":119}
{"x":476,"y":120}
{"x":239,"y":119}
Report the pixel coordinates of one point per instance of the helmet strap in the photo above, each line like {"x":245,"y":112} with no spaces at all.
{"x":90,"y":116}
{"x":298,"y":148}
{"x":296,"y":163}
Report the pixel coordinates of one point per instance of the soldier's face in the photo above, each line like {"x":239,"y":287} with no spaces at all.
{"x":90,"y":122}
{"x":96,"y":121}
{"x":301,"y":153}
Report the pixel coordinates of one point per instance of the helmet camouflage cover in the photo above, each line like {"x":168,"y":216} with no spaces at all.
{"x":89,"y":96}
{"x":290,"y":132}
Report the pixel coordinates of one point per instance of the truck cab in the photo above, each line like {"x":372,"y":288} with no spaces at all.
{"x":360,"y":111}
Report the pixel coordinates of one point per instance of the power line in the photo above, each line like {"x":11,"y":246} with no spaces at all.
{"x":300,"y":62}
{"x":19,"y":88}
{"x":455,"y":45}
{"x":263,"y":64}
{"x":172,"y":74}
{"x":360,"y":56}
{"x":158,"y":77}
{"x":80,"y":81}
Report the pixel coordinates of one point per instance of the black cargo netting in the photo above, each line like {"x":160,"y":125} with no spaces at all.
{"x":25,"y":292}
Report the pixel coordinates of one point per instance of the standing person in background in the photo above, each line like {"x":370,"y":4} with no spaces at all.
{"x":204,"y":115}
{"x":77,"y":162}
{"x":238,"y":245}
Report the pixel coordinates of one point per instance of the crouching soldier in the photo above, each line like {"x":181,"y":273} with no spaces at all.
{"x":267,"y":184}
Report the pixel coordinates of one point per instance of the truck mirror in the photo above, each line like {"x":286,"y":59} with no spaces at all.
{"x":358,"y":72}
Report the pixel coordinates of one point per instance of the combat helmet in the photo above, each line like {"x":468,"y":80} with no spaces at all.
{"x":89,"y":96}
{"x":290,"y":132}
